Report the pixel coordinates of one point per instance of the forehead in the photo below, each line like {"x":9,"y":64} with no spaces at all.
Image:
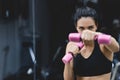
{"x":85,"y":21}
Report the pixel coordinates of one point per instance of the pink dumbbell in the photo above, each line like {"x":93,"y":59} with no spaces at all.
{"x":74,"y":37}
{"x":101,"y":38}
{"x":67,"y":58}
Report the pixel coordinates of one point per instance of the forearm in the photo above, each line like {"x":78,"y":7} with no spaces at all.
{"x":111,"y":43}
{"x":113,"y":46}
{"x":68,"y":72}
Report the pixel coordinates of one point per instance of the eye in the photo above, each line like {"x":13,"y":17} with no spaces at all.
{"x":81,"y":28}
{"x":90,"y":27}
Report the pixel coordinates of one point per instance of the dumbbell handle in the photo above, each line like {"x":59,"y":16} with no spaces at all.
{"x":101,"y":38}
{"x":68,"y":56}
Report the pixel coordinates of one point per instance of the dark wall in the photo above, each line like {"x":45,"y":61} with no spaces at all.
{"x":60,"y":12}
{"x":109,"y":10}
{"x":14,"y":8}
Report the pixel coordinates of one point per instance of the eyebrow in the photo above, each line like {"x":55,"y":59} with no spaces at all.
{"x":87,"y":26}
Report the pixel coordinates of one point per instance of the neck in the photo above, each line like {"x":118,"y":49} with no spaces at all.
{"x":90,"y":44}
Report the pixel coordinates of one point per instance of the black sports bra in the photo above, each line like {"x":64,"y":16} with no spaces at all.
{"x":96,"y":64}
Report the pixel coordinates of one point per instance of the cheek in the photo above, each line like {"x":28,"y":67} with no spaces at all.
{"x":96,"y":28}
{"x":78,"y":30}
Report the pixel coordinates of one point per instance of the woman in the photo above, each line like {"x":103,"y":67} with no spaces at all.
{"x":93,"y":61}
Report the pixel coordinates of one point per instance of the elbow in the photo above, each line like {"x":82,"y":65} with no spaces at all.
{"x":117,"y":49}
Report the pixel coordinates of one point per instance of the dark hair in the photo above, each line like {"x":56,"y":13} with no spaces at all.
{"x":85,"y":12}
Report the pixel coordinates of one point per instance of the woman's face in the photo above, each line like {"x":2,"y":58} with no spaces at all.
{"x":86,"y":23}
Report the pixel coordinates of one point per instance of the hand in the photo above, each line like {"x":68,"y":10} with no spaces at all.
{"x":72,"y":47}
{"x":88,"y":36}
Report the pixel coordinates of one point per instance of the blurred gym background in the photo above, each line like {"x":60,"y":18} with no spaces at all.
{"x":33,"y":35}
